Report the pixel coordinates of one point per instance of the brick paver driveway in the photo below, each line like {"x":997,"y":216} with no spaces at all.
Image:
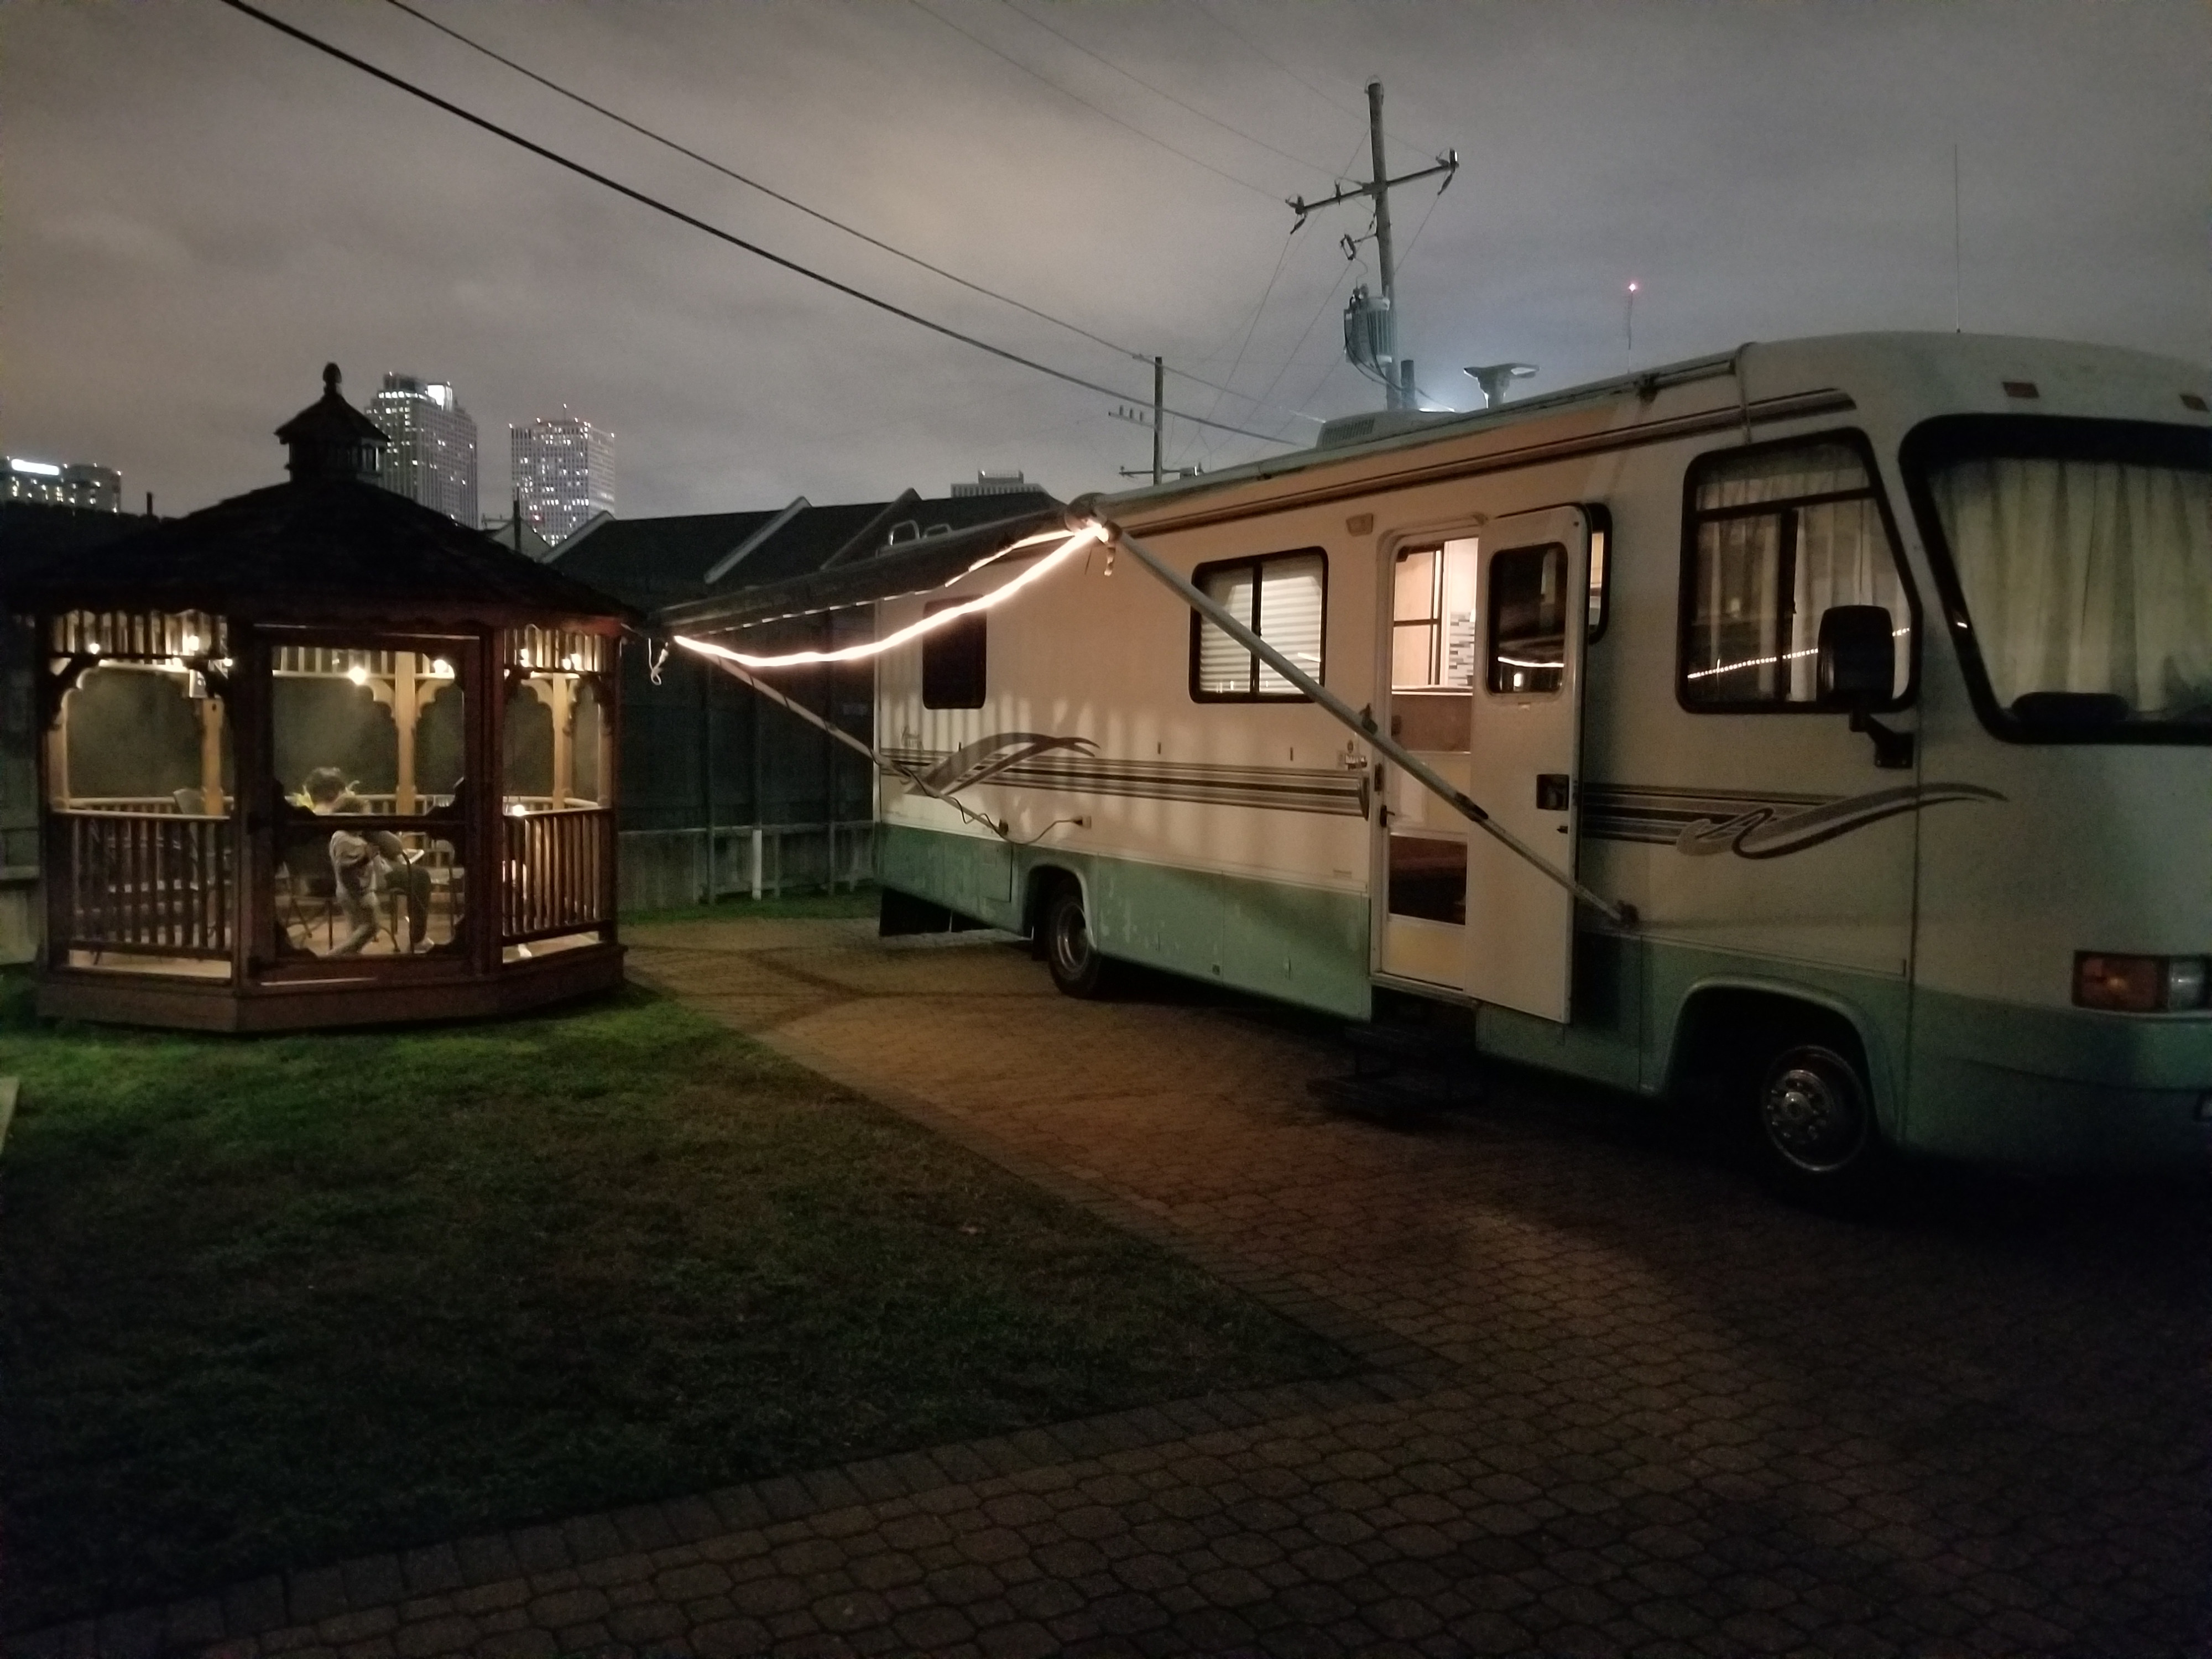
{"x":1658,"y":1413}
{"x":1619,"y":1401}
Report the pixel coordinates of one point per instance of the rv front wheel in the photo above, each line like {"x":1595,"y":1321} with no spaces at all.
{"x":1069,"y":950}
{"x":1816,"y":1124}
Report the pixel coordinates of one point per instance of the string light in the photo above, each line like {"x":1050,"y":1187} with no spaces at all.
{"x":936,"y":619}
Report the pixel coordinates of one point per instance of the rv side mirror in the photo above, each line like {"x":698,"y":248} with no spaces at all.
{"x":1856,"y":669}
{"x":1857,"y":658}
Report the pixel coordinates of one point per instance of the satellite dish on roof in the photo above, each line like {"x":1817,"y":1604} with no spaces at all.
{"x":1494,"y":378}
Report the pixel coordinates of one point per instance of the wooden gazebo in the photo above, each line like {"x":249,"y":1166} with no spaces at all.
{"x":318,"y":755}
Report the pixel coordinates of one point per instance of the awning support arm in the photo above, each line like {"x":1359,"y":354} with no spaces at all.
{"x":1621,"y":915}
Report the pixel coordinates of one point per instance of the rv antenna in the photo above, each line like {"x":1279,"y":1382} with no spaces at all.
{"x":1628,"y":323}
{"x":1958,"y":281}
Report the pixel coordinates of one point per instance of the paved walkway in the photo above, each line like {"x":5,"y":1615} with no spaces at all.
{"x":1618,"y":1401}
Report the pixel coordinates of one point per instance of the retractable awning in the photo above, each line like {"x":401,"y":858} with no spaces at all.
{"x":907,"y":568}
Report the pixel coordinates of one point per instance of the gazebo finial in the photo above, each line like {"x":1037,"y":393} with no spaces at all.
{"x":331,"y":380}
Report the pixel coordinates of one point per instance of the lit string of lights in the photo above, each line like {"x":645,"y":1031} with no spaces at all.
{"x":1072,"y":542}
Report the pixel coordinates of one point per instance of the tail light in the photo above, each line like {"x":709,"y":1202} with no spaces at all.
{"x":2140,"y":985}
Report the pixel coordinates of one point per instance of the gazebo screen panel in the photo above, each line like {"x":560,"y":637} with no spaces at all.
{"x":369,"y":744}
{"x":141,"y":848}
{"x":557,"y":822}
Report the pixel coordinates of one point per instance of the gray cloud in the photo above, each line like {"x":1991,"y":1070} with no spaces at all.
{"x":198,"y":213}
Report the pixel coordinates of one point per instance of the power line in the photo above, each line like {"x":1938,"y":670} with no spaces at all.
{"x":1244,"y":345}
{"x":682,"y":217}
{"x":1077,"y":98}
{"x":1161,"y":92}
{"x":644,"y":132}
{"x":767,"y":190}
{"x":1276,"y":63}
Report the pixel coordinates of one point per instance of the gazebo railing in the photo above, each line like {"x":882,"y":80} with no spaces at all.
{"x":142,"y":883}
{"x":559,"y":877}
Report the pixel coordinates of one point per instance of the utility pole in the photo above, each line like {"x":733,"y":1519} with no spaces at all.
{"x":1383,"y":255}
{"x":1159,"y":411}
{"x":1397,"y":378}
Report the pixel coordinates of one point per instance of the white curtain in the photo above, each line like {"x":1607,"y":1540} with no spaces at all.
{"x":2086,"y":576}
{"x":1225,"y":668}
{"x":1291,"y":618}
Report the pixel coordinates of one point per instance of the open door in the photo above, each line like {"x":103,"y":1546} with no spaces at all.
{"x":1486,"y":688}
{"x":1532,"y":583}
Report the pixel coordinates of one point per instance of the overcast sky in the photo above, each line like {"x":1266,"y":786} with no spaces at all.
{"x":198,"y":212}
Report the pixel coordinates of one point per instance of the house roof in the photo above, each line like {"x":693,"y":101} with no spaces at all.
{"x":656,"y":563}
{"x":31,"y":532}
{"x":323,"y":548}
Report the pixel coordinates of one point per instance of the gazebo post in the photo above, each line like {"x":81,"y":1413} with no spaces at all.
{"x":487,"y":773}
{"x":406,"y":666}
{"x":211,"y":712}
{"x":253,"y":903}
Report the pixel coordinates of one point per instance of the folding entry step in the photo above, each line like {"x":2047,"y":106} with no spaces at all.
{"x":1403,"y":1073}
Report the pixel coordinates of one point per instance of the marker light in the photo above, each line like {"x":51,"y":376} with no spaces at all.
{"x":2140,"y":985}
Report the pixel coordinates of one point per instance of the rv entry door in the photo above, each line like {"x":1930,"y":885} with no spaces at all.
{"x":1525,"y":756}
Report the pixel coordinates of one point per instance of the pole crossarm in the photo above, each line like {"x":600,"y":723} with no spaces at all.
{"x":1361,"y":726}
{"x":1447,"y":162}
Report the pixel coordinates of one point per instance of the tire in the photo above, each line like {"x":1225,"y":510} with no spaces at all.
{"x":1813,"y":1119}
{"x":1070,"y":954}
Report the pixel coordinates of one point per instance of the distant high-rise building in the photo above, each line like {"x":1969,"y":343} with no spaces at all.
{"x":993,"y":484}
{"x":564,"y":472}
{"x":431,"y":455}
{"x":73,"y":484}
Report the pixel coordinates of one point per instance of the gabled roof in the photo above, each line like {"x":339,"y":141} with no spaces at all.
{"x":654,"y":563}
{"x":322,"y":549}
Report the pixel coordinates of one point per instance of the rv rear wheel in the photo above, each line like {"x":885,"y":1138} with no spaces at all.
{"x":1069,"y":951}
{"x":1815,"y":1119}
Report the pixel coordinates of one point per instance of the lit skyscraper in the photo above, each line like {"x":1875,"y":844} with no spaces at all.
{"x":432,"y":457}
{"x":77,"y":483}
{"x":564,"y":472}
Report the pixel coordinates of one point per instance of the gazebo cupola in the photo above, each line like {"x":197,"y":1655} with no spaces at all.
{"x":318,"y":755}
{"x":331,"y":439}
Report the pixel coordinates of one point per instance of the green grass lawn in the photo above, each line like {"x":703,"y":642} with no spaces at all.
{"x":271,"y":1302}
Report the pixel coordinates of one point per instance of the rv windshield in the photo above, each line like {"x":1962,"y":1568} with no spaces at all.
{"x":2082,"y":554}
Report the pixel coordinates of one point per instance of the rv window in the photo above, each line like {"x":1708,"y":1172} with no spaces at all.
{"x":1775,"y":537}
{"x":1528,"y":654}
{"x":1428,"y":878}
{"x":1282,"y":597}
{"x":1601,"y":560}
{"x":952,"y":661}
{"x":1433,"y":617}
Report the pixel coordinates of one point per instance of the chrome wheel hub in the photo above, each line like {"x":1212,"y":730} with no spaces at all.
{"x":1813,"y":1112}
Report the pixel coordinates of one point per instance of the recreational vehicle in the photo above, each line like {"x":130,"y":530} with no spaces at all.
{"x":1831,"y":719}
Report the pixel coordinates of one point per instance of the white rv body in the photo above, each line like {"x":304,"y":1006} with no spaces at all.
{"x":1938,"y":907}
